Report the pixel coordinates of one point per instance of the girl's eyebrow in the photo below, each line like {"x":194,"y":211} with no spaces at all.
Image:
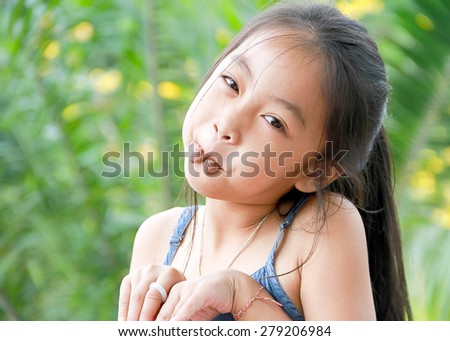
{"x":291,"y":107}
{"x":241,"y":61}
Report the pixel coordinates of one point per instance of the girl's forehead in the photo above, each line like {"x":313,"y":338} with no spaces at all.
{"x":275,"y":47}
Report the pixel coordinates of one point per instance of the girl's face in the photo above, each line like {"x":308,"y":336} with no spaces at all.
{"x":257,"y":123}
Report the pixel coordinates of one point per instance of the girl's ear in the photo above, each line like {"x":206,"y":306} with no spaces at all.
{"x":317,"y":172}
{"x":306,"y":184}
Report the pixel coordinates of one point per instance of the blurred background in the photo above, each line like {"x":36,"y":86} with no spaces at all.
{"x":80,"y":78}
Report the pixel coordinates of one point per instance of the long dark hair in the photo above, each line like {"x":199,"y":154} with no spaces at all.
{"x":356,"y":91}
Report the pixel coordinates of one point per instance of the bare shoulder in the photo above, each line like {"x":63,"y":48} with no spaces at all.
{"x":342,"y":216}
{"x":152,"y":238}
{"x":315,"y":233}
{"x":338,"y":229}
{"x":339,"y":215}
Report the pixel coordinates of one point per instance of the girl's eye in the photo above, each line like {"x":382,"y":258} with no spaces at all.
{"x":231,"y":83}
{"x":274,"y":122}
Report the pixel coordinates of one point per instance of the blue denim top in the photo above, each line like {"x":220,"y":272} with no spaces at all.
{"x":266,"y":275}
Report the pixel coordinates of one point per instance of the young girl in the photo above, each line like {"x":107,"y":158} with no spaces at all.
{"x":286,"y":143}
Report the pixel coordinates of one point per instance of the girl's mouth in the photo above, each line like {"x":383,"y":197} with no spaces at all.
{"x":210,"y":165}
{"x":209,"y":160}
{"x":195,"y":155}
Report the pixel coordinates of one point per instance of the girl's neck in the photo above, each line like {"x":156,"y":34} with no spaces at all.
{"x":224,"y":219}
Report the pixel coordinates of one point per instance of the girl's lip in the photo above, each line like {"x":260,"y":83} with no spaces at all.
{"x":209,"y":159}
{"x":211,"y":167}
{"x":196,"y":155}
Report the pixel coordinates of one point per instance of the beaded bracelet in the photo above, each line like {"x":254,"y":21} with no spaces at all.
{"x":241,"y":312}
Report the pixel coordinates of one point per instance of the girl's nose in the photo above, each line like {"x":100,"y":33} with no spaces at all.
{"x":227,"y":128}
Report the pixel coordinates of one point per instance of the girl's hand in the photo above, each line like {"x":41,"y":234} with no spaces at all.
{"x":200,"y":299}
{"x":137,"y":301}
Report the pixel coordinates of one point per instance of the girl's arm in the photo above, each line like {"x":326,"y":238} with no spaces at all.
{"x":137,"y":301}
{"x":336,"y":280}
{"x":151,"y":242}
{"x":252,"y":302}
{"x":222,"y":292}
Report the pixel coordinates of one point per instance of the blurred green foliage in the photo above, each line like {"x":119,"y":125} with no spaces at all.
{"x":82,"y":77}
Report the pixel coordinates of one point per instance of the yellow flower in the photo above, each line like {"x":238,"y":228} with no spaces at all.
{"x":82,"y":31}
{"x":71,"y":112}
{"x":423,"y":183}
{"x":358,"y":8}
{"x":142,"y":90}
{"x":424,"y":22}
{"x":52,"y":50}
{"x":169,"y":90}
{"x":441,"y":216}
{"x":435,"y":164}
{"x":105,"y":82}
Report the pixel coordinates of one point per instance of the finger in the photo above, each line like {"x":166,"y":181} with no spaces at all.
{"x":153,"y":299}
{"x":166,"y":311}
{"x":196,"y":303}
{"x":152,"y":302}
{"x":190,"y":309}
{"x":137,"y":298}
{"x":124,"y":298}
{"x":204,"y":314}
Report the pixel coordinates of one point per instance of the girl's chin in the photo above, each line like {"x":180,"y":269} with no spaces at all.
{"x":211,"y":186}
{"x":203,"y":183}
